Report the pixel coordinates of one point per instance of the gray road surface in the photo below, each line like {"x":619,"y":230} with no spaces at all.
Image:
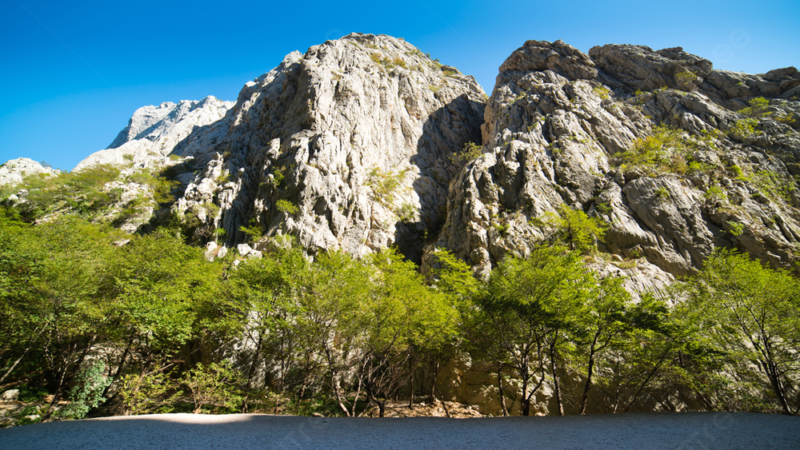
{"x":621,"y":431}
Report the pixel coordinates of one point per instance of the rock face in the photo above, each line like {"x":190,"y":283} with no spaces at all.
{"x":349,"y":146}
{"x":154,"y":131}
{"x":345,"y":147}
{"x":561,"y":127}
{"x":13,"y":171}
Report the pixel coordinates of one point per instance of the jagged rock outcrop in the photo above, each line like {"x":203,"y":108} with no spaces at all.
{"x":561,"y":126}
{"x":154,"y":131}
{"x":14,"y":171}
{"x":345,"y":147}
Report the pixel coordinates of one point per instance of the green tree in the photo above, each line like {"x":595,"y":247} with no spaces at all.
{"x":573,"y":227}
{"x":751,"y":313}
{"x":530,"y":306}
{"x":603,"y":321}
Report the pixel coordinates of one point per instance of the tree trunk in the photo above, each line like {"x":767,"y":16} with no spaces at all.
{"x":251,"y":372}
{"x":444,"y":405}
{"x":27,"y":349}
{"x":435,"y":370}
{"x":775,"y":381}
{"x":588,"y":385}
{"x":411,"y":382}
{"x":56,"y":395}
{"x":526,"y":404}
{"x":556,"y":384}
{"x":500,"y":390}
{"x":121,"y":364}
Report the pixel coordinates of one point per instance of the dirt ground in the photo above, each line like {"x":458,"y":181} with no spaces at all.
{"x":423,"y":409}
{"x":238,"y":431}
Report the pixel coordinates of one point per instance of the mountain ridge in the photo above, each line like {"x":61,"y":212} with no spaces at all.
{"x":360,"y":135}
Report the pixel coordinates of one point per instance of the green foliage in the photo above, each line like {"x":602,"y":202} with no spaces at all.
{"x":502,"y":228}
{"x":716,"y":193}
{"x":662,"y":193}
{"x":253,"y":231}
{"x":406,"y":212}
{"x":385,"y":184}
{"x":773,"y":185}
{"x":387,"y":62}
{"x":786,"y":118}
{"x":667,"y":150}
{"x":574,"y":227}
{"x":471,"y":152}
{"x":757,"y":109}
{"x":602,"y":92}
{"x":160,"y":187}
{"x":223,"y":177}
{"x":750,"y":315}
{"x":735,"y":228}
{"x":286,"y":207}
{"x":737,"y":171}
{"x":278,"y":177}
{"x":83,"y":192}
{"x":213,"y":385}
{"x":212,"y":209}
{"x":685,"y":78}
{"x":146,"y":394}
{"x":87,"y":393}
{"x":744,"y":128}
{"x":336,"y":333}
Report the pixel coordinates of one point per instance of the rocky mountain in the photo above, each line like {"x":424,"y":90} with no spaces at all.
{"x":154,"y":131}
{"x":354,"y":145}
{"x":15,"y":170}
{"x":677,"y":158}
{"x":344,"y":147}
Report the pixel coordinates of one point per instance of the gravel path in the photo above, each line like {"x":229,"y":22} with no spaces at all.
{"x":621,"y":431}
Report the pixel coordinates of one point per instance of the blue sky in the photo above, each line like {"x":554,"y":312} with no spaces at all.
{"x":73,"y":72}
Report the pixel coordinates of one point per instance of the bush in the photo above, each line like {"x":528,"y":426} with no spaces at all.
{"x":735,"y":228}
{"x":160,"y":186}
{"x":471,"y":152}
{"x":406,"y":212}
{"x":715,"y":193}
{"x":685,"y":78}
{"x":602,"y":92}
{"x":83,"y":192}
{"x":253,"y":231}
{"x":773,"y":185}
{"x":744,"y":128}
{"x":757,"y":109}
{"x":214,"y":384}
{"x":666,"y":150}
{"x":87,"y":393}
{"x":574,"y":227}
{"x":385,"y":184}
{"x":148,"y":394}
{"x":286,"y":207}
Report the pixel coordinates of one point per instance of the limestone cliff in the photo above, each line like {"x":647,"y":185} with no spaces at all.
{"x":349,"y":146}
{"x":154,"y":131}
{"x":563,"y":127}
{"x":15,"y":170}
{"x":345,"y":147}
